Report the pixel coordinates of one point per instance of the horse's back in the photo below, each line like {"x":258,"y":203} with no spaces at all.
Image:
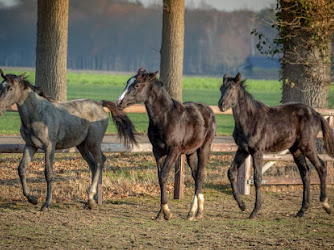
{"x":291,"y":124}
{"x":82,"y":119}
{"x":83,"y":108}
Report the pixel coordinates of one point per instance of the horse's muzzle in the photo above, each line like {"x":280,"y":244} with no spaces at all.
{"x":221,"y":106}
{"x":119,"y":105}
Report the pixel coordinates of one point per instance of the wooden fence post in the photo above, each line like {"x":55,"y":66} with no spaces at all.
{"x":244,"y":173}
{"x":179,"y":177}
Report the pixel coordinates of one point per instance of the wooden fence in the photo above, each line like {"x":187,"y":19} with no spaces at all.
{"x":244,"y":172}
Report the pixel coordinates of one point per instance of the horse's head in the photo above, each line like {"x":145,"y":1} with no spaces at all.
{"x":229,"y":93}
{"x":10,"y":90}
{"x":136,"y":89}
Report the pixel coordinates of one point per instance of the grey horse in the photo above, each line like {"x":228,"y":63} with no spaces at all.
{"x":50,"y":125}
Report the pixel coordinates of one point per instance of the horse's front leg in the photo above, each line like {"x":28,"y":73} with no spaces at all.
{"x":28,"y":154}
{"x":164,"y":167}
{"x":257,"y":164}
{"x":49,"y":157}
{"x":239,"y":159}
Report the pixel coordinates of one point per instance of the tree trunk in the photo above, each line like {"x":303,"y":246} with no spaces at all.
{"x":172,"y":47}
{"x":51,"y":49}
{"x":306,"y":83}
{"x":305,"y":63}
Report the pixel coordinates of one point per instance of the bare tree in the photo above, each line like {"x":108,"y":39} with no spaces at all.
{"x":51,"y":49}
{"x":172,"y":47}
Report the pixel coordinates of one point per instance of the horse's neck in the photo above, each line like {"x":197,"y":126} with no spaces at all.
{"x":244,"y":111}
{"x":29,"y":108}
{"x":158,"y":105}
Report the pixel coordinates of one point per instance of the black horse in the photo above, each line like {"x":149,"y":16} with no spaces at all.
{"x":259,"y":128}
{"x":174,"y":129}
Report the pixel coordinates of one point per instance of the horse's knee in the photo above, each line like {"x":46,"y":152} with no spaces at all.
{"x":257,"y":181}
{"x":230,"y":174}
{"x":48,"y":176}
{"x":21,"y":170}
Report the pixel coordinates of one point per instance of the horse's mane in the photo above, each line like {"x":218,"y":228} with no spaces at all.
{"x":26,"y":84}
{"x":158,"y":85}
{"x":251,"y":104}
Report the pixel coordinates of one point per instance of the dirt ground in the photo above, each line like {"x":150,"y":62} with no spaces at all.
{"x":131,"y":200}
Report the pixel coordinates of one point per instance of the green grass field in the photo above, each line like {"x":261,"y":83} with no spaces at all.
{"x":98,"y":86}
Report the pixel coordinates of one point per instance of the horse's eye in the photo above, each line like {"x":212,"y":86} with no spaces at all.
{"x":136,"y":86}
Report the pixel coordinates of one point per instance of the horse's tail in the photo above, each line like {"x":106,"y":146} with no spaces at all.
{"x":125,"y":127}
{"x":328,"y":136}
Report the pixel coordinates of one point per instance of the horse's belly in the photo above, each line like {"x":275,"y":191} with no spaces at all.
{"x":280,"y":143}
{"x":70,"y":141}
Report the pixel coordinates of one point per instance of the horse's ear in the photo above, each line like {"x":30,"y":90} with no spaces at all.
{"x":3,"y":74}
{"x":22,"y":76}
{"x":153,"y":75}
{"x":141,"y":70}
{"x":224,"y":77}
{"x":237,"y":77}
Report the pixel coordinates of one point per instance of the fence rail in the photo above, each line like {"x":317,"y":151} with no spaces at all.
{"x":244,"y":172}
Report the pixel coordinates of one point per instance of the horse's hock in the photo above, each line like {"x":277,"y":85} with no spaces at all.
{"x":220,"y":144}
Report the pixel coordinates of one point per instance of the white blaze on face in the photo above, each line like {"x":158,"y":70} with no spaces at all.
{"x":130,"y":82}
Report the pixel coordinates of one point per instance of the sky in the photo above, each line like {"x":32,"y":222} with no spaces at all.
{"x":226,"y":5}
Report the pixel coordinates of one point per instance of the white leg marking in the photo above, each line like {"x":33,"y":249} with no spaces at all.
{"x":200,"y":202}
{"x":194,"y":205}
{"x":325,"y":204}
{"x":165,"y":208}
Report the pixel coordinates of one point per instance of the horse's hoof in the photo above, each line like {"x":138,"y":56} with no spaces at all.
{"x":300,"y":214}
{"x":159,"y":216}
{"x":328,"y":210}
{"x":32,"y":199}
{"x":326,"y":206}
{"x":242,"y":206}
{"x":90,"y":204}
{"x":252,"y":215}
{"x":44,"y":208}
{"x":199,"y":215}
{"x":190,"y":217}
{"x":167,"y":215}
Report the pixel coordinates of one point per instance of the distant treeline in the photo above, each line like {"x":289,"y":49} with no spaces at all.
{"x":120,"y":36}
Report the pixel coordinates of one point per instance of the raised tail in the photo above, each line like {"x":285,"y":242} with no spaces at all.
{"x":125,"y":127}
{"x":328,"y":137}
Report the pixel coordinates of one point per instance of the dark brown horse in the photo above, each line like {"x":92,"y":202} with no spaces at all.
{"x":174,"y":129}
{"x":49,"y":125}
{"x":259,"y":128}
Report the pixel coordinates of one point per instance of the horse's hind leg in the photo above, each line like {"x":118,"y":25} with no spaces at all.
{"x":321,"y":168}
{"x":304,"y":171}
{"x":26,"y":159}
{"x":87,"y":156}
{"x":99,"y":160}
{"x":239,"y":159}
{"x":192,"y":160}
